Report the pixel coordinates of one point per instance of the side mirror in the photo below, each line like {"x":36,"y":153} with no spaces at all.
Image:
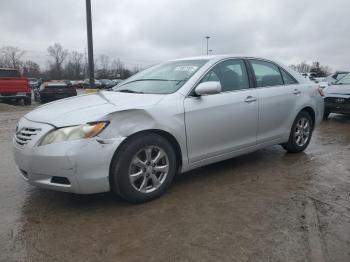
{"x":208,"y":88}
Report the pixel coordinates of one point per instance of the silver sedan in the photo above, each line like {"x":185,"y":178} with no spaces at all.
{"x":168,"y":119}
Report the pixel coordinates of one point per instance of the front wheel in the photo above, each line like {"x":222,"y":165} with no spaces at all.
{"x":300,"y":134}
{"x":143,"y":168}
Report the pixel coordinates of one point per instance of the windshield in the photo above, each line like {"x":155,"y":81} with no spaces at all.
{"x":161,"y":79}
{"x":9,"y":73}
{"x":344,"y":81}
{"x":341,"y":75}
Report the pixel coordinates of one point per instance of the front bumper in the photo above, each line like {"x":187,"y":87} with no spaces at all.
{"x":337,"y":105}
{"x":80,"y":166}
{"x":15,"y":96}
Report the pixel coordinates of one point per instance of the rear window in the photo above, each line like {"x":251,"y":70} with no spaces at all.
{"x":58,"y":86}
{"x":9,"y":73}
{"x":266,"y":73}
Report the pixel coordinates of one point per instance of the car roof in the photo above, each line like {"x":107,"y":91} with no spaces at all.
{"x":55,"y":84}
{"x":217,"y":57}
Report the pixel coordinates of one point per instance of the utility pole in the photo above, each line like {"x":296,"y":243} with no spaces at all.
{"x":207,"y":37}
{"x":90,"y":45}
{"x":85,"y":64}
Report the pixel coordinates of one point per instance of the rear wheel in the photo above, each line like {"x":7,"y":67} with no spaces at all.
{"x":300,"y":134}
{"x":27,"y":101}
{"x":143,"y":168}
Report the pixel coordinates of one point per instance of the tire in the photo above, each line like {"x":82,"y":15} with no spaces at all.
{"x":36,"y":97}
{"x":325,"y":114}
{"x":293,"y":146}
{"x":27,"y":101}
{"x":148,"y":185}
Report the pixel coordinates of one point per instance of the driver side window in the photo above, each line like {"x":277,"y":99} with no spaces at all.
{"x":231,"y":74}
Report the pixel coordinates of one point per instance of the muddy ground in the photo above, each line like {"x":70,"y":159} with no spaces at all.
{"x":265,"y":206}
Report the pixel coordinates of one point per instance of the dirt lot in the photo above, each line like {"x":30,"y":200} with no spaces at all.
{"x":265,"y":206}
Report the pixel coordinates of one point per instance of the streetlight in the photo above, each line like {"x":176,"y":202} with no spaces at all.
{"x":207,"y":37}
{"x":90,"y":46}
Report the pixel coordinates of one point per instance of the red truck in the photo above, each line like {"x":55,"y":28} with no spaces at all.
{"x":14,"y":87}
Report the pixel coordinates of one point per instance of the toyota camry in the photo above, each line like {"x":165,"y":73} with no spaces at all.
{"x":167,"y":119}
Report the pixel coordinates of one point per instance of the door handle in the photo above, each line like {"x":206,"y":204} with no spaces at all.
{"x":250,"y":99}
{"x":297,"y":92}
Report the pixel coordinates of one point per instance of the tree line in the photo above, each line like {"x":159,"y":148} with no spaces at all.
{"x":315,"y":67}
{"x":64,"y":64}
{"x":72,"y":65}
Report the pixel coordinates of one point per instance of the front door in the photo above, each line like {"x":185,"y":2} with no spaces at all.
{"x":222,"y":123}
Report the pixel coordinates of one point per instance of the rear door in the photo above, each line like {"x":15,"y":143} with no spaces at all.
{"x":221,"y":123}
{"x":278,"y":94}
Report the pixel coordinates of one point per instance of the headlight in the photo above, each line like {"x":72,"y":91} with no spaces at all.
{"x":73,"y":133}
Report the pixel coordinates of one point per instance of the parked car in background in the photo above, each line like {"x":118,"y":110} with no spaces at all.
{"x":169,"y":118}
{"x":68,"y":82}
{"x":310,"y":75}
{"x":78,"y":83}
{"x":337,"y":97}
{"x":319,"y":79}
{"x":107,"y":84}
{"x":14,"y":87}
{"x":87,"y":84}
{"x":117,"y":81}
{"x":51,"y":91}
{"x":34,"y":83}
{"x":331,"y":79}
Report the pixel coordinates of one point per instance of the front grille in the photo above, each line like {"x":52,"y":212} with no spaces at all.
{"x":337,"y":100}
{"x":25,"y":135}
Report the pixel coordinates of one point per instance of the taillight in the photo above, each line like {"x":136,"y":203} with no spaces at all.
{"x":320,"y":91}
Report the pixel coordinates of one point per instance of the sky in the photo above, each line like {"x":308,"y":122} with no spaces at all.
{"x":145,"y":32}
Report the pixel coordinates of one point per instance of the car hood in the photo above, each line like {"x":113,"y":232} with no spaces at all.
{"x":87,"y":108}
{"x":343,"y":90}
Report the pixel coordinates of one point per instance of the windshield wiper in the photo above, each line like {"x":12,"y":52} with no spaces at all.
{"x":129,"y":91}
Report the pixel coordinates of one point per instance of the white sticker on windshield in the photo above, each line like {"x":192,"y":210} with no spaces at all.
{"x":186,"y":68}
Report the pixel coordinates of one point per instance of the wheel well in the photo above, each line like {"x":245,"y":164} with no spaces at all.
{"x":171,"y":139}
{"x":311,"y":112}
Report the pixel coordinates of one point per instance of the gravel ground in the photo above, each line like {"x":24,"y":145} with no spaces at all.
{"x":264,"y":206}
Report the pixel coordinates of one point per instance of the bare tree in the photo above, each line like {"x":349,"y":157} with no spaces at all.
{"x":3,"y":62}
{"x":327,"y":70}
{"x":104,"y":62}
{"x":315,"y":67}
{"x":31,"y":69}
{"x":117,"y":68}
{"x":104,"y":66}
{"x":58,"y":54}
{"x":135,"y":70}
{"x":11,"y":56}
{"x":74,"y":69}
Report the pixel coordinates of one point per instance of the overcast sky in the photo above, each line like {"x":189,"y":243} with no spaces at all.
{"x":142,"y":32}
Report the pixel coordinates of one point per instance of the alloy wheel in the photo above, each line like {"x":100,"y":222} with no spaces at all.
{"x":302,"y":132}
{"x":148,"y":169}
